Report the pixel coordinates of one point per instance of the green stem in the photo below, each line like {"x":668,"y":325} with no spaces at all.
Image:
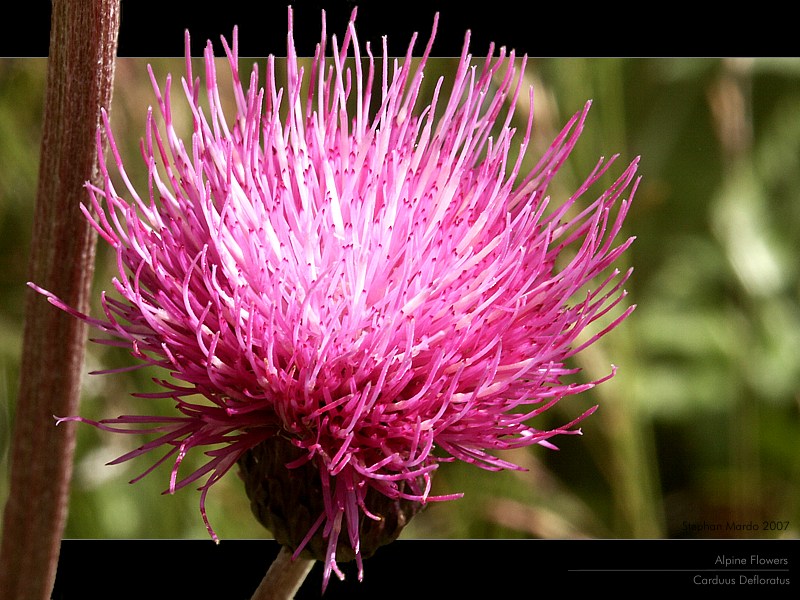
{"x":284,"y":577}
{"x":83,"y":42}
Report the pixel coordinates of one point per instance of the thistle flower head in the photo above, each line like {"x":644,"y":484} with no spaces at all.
{"x":340,"y":281}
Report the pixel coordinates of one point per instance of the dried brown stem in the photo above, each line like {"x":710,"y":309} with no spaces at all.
{"x":83,"y":42}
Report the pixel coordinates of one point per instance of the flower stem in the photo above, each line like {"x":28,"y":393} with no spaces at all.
{"x":284,"y":577}
{"x":83,"y":42}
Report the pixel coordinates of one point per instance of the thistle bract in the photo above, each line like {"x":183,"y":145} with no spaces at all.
{"x":340,"y":281}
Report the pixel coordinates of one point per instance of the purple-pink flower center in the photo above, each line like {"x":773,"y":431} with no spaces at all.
{"x":366,"y":278}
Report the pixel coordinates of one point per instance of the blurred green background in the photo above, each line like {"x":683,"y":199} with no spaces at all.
{"x":700,"y":425}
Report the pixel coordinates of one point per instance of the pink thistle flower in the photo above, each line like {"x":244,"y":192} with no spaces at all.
{"x":353,"y":285}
